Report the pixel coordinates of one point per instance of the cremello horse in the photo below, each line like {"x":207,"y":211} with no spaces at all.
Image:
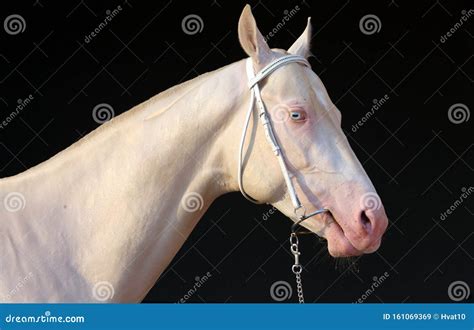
{"x":101,"y":220}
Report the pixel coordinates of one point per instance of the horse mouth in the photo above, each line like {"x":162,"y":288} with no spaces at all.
{"x":339,"y":245}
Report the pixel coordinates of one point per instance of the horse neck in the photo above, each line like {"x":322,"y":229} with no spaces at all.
{"x":195,"y":164}
{"x":124,"y":199}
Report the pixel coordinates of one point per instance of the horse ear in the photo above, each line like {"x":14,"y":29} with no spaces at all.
{"x":302,"y":45}
{"x":251,"y":39}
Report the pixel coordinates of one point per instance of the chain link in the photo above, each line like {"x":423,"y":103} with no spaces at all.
{"x":300,"y":214}
{"x":297,"y":268}
{"x":299,"y":288}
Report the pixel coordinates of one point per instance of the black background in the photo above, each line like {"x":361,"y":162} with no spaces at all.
{"x":417,"y":158}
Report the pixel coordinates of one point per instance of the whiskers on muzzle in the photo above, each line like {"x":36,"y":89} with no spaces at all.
{"x":346,"y":263}
{"x":341,"y":264}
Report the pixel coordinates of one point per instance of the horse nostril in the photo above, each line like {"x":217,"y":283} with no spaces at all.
{"x":366,"y":223}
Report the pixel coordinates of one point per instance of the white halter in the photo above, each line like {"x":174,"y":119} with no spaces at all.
{"x":253,"y":80}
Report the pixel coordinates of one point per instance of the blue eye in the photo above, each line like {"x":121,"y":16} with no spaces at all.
{"x":297,"y":115}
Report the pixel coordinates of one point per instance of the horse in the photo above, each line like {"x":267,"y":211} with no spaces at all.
{"x":102,"y":219}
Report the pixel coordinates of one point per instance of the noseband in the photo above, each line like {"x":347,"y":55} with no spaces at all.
{"x":256,"y":97}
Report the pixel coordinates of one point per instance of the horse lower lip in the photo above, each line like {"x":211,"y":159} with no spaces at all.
{"x":374,"y":247}
{"x":344,"y":247}
{"x":334,"y":234}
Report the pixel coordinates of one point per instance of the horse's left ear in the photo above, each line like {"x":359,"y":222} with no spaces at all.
{"x":302,"y":45}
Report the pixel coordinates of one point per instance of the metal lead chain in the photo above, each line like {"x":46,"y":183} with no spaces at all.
{"x":297,"y":268}
{"x":299,"y":287}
